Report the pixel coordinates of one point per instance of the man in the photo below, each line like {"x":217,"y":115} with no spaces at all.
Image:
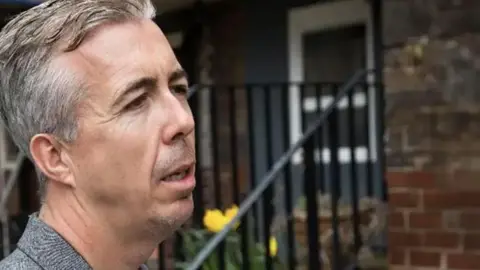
{"x":93,"y":94}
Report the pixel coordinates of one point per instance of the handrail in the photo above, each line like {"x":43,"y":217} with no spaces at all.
{"x":273,"y":173}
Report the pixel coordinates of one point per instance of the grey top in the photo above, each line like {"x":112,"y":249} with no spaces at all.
{"x":42,"y":248}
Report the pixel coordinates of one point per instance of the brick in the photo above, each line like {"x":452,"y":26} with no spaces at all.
{"x":472,"y":242}
{"x":399,"y":160}
{"x":404,"y":239}
{"x":404,"y":199}
{"x":421,"y":180}
{"x":444,"y":199}
{"x":397,"y":256}
{"x":406,"y":105}
{"x":467,"y":179}
{"x":425,"y":221}
{"x":423,"y":258}
{"x":466,"y":261}
{"x":418,"y":139}
{"x":451,"y":219}
{"x":448,"y":126}
{"x":470,"y":220}
{"x":396,"y":220}
{"x":442,"y":240}
{"x":397,"y":79}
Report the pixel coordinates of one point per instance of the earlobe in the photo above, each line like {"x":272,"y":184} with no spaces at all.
{"x":51,"y":158}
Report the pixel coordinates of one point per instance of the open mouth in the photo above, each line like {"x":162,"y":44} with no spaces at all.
{"x":180,"y":181}
{"x":179,"y":175}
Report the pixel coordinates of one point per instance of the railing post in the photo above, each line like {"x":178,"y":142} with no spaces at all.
{"x":288,"y":183}
{"x":252,"y":153}
{"x":334,"y":182}
{"x":268,"y":195}
{"x":310,"y":189}
{"x":369,"y":163}
{"x":244,"y":225}
{"x":353,"y":169}
{"x":161,"y":259}
{"x":198,"y":192}
{"x":377,"y":21}
{"x":320,"y":138}
{"x":233,"y":144}
{"x":216,"y":166}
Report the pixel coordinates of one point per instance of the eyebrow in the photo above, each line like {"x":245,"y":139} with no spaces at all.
{"x":148,"y":83}
{"x":177,"y":75}
{"x":143,"y":82}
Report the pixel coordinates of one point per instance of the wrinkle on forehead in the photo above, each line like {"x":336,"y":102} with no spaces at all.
{"x":121,"y":52}
{"x":123,"y":45}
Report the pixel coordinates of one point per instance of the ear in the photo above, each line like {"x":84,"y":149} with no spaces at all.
{"x":52,"y":159}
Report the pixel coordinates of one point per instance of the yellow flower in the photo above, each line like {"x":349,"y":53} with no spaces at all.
{"x":214,"y":220}
{"x":230,"y":213}
{"x":273,"y":246}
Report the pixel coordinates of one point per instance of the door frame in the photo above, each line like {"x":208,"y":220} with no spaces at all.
{"x":314,"y":18}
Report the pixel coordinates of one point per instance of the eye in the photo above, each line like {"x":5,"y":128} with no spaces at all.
{"x":180,"y":89}
{"x":137,"y":103}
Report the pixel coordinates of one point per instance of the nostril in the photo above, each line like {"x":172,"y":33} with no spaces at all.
{"x":178,"y":136}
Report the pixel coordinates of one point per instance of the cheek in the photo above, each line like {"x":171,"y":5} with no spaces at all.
{"x":116,"y":160}
{"x":133,"y":152}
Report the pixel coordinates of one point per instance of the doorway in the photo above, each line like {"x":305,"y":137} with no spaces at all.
{"x":327,"y":42}
{"x":333,"y":55}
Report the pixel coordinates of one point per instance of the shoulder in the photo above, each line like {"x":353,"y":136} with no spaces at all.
{"x":18,"y":261}
{"x":41,"y":247}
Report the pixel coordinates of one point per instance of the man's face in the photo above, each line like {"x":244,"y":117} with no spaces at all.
{"x":136,"y":129}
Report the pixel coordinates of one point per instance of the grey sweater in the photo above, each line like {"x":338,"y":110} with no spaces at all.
{"x":41,"y":248}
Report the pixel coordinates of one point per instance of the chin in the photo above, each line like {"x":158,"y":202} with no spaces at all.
{"x":183,"y":209}
{"x":176,"y":214}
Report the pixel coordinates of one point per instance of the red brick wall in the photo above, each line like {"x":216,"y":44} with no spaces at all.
{"x":433,"y":149}
{"x":430,"y":226}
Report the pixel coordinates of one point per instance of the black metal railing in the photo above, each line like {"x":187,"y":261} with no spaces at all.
{"x":253,"y":161}
{"x":247,"y":156}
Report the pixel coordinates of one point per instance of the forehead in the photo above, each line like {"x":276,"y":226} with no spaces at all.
{"x":120,"y":52}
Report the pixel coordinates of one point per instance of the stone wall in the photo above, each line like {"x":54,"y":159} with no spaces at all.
{"x":433,"y":131}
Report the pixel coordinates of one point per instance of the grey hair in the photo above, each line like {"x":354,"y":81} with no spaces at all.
{"x":36,"y":95}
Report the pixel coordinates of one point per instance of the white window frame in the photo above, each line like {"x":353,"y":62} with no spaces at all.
{"x":315,"y":18}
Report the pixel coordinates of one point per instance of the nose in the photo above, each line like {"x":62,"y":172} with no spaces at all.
{"x":180,"y":121}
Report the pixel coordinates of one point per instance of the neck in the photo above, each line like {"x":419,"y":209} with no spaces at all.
{"x":100,"y":242}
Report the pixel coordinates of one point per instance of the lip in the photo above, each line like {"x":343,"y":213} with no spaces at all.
{"x":184,"y":185}
{"x":179,"y":168}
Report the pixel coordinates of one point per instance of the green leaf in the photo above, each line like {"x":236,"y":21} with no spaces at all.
{"x":212,"y":261}
{"x":190,"y":246}
{"x":229,"y":265}
{"x":233,"y":239}
{"x":257,"y":263}
{"x":200,"y":234}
